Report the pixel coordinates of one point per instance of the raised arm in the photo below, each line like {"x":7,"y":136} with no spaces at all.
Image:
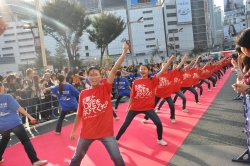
{"x":197,"y":60}
{"x":207,"y":64}
{"x":3,"y":25}
{"x":165,"y":67}
{"x":182,"y":61}
{"x":118,"y":63}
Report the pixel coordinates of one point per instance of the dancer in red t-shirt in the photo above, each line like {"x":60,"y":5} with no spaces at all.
{"x":95,"y":112}
{"x":187,"y":80}
{"x":165,"y":89}
{"x":142,"y":100}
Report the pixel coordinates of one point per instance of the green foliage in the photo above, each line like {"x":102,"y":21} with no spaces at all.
{"x":196,"y":51}
{"x":106,"y":27}
{"x":39,"y":59}
{"x":65,"y":22}
{"x":60,"y":58}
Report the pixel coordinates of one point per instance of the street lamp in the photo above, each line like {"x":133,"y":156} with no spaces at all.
{"x":140,"y":20}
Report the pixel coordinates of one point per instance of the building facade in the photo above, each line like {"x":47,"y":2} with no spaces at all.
{"x":17,"y":48}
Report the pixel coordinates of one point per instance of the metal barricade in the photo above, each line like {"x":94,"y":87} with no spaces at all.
{"x":246,"y":130}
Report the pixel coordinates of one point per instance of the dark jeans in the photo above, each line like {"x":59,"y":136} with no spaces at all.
{"x":60,"y":120}
{"x":183,"y":97}
{"x":213,"y":79}
{"x":200,"y":87}
{"x":117,"y":101}
{"x":114,"y":114}
{"x":109,"y":143}
{"x":192,"y":90}
{"x":207,"y":82}
{"x":130,"y":116}
{"x":170,"y":103}
{"x":23,"y":137}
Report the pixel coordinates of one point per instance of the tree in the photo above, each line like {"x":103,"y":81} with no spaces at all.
{"x":65,"y":22}
{"x":196,"y":51}
{"x":39,"y":59}
{"x":105,"y":28}
{"x":60,"y":58}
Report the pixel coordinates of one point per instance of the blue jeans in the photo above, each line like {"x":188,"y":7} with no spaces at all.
{"x":109,"y":143}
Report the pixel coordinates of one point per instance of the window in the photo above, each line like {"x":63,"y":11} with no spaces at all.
{"x":87,"y":54}
{"x":149,"y":18}
{"x":170,"y":6}
{"x":149,"y":39}
{"x":30,"y":52}
{"x":29,"y":59}
{"x":171,"y":14}
{"x":10,"y":41}
{"x":11,"y":34}
{"x":172,"y":39}
{"x":26,"y":46}
{"x":172,"y":23}
{"x":7,"y":48}
{"x":19,"y":27}
{"x":86,"y":47}
{"x":177,"y":46}
{"x":149,"y":32}
{"x":20,"y":40}
{"x":149,"y":11}
{"x":6,"y":55}
{"x":140,"y":54}
{"x":149,"y":25}
{"x":7,"y":60}
{"x":24,"y":33}
{"x":172,"y":30}
{"x":149,"y":46}
{"x":10,"y":28}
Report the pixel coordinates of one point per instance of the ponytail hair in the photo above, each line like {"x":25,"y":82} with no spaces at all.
{"x":60,"y":86}
{"x":135,"y":72}
{"x":118,"y":75}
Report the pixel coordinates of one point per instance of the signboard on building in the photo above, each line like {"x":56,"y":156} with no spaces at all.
{"x":230,"y":31}
{"x":184,"y":14}
{"x":134,"y":2}
{"x":90,"y":4}
{"x":233,"y":6}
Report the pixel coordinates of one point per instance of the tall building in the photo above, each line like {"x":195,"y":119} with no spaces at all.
{"x":178,"y":26}
{"x":218,"y":18}
{"x":17,"y":47}
{"x":201,"y":23}
{"x":234,"y":22}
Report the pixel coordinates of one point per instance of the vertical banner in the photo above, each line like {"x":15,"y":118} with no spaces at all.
{"x":184,"y":14}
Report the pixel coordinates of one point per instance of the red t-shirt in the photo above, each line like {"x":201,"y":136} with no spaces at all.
{"x":143,"y":94}
{"x":187,"y":78}
{"x":177,"y":80}
{"x":96,"y":110}
{"x":165,"y":86}
{"x":196,"y":77}
{"x":202,"y":73}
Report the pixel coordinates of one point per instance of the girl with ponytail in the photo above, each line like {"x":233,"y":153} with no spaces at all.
{"x":66,"y":94}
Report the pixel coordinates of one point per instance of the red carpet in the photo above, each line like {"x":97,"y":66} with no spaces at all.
{"x":138,"y":145}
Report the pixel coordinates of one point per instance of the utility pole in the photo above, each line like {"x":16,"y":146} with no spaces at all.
{"x":174,"y":43}
{"x":40,"y":29}
{"x":130,"y":33}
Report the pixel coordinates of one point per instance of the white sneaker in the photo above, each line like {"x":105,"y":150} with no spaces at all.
{"x":2,"y":161}
{"x":157,"y":111}
{"x":185,"y":110}
{"x":214,"y":87}
{"x":209,"y":90}
{"x":144,"y":120}
{"x":57,"y":133}
{"x":117,"y":118}
{"x":161,"y":142}
{"x":201,"y":96}
{"x":198,"y":103}
{"x":173,"y":121}
{"x":40,"y":162}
